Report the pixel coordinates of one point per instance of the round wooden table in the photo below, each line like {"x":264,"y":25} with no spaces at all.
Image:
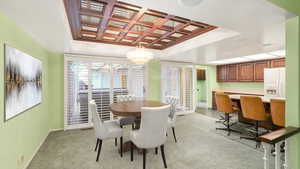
{"x":132,"y":109}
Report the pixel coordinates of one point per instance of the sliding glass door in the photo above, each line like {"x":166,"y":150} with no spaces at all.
{"x":87,"y":80}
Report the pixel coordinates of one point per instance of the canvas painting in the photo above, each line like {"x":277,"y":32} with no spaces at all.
{"x":23,"y":82}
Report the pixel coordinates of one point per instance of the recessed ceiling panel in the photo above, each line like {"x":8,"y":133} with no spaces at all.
{"x":116,"y":22}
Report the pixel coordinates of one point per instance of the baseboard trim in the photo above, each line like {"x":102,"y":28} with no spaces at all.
{"x":40,"y":145}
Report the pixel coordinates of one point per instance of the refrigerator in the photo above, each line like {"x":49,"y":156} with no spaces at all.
{"x":274,"y":82}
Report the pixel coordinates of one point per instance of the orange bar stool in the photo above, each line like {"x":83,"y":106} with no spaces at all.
{"x":278,"y":112}
{"x":225,"y":105}
{"x":253,"y":108}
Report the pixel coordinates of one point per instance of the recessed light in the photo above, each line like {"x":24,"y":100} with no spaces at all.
{"x":189,"y":3}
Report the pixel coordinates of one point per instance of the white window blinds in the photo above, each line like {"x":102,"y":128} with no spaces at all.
{"x":101,"y":81}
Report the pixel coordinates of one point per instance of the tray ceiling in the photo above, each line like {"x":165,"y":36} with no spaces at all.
{"x":119,"y":23}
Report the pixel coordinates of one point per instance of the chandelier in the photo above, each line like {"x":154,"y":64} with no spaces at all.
{"x":139,"y":55}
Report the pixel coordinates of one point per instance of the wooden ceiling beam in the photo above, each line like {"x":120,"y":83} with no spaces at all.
{"x":168,"y":34}
{"x":88,"y":12}
{"x":72,"y":9}
{"x":108,"y":10}
{"x":130,"y":25}
{"x":156,"y":26}
{"x":202,"y":31}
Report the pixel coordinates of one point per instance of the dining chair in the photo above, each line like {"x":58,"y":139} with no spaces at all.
{"x":126,"y":120}
{"x":105,"y":130}
{"x":152,"y":132}
{"x":173,"y":101}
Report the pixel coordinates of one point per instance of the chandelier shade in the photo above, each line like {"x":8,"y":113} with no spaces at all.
{"x":139,"y":55}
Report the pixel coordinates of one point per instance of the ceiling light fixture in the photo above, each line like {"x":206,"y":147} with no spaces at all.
{"x":139,"y":55}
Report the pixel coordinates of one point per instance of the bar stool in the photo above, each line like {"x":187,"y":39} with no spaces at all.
{"x":253,"y":108}
{"x":278,"y":112}
{"x":224,"y":104}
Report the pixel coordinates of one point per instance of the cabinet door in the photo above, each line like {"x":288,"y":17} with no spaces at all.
{"x":278,"y":62}
{"x":259,"y":70}
{"x":246,"y":72}
{"x":221,"y":73}
{"x":232,"y":73}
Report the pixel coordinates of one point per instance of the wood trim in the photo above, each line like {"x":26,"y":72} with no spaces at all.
{"x":107,"y":12}
{"x":279,"y":135}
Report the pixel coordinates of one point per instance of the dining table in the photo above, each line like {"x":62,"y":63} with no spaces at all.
{"x":132,"y":109}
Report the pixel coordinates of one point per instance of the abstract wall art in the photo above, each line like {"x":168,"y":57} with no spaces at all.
{"x":23,"y":82}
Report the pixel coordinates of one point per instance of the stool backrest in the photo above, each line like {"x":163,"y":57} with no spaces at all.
{"x":224,"y":103}
{"x":253,"y":108}
{"x":278,"y":112}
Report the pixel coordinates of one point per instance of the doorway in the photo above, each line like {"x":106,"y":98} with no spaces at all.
{"x":201,"y":88}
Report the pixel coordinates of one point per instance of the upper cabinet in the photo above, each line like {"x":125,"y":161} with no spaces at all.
{"x":222,"y":73}
{"x":247,"y":72}
{"x":232,"y":73}
{"x":259,"y":70}
{"x":278,"y":63}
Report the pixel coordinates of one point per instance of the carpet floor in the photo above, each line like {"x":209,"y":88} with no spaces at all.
{"x":199,"y":146}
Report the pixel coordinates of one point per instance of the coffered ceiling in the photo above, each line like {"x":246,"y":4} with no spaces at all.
{"x":244,"y":27}
{"x":120,"y":23}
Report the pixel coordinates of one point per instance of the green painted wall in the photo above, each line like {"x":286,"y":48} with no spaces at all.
{"x":201,"y":90}
{"x":211,"y":83}
{"x":293,"y":92}
{"x":154,"y":80}
{"x":56,"y":79}
{"x":293,"y":73}
{"x":23,"y":134}
{"x":242,"y":85}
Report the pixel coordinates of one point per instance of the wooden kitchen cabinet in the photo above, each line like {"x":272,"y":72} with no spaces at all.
{"x":278,"y":63}
{"x":201,"y":74}
{"x":246,"y":72}
{"x":232,"y":74}
{"x":259,"y":70}
{"x":222,"y":73}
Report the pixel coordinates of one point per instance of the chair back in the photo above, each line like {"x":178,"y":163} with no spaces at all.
{"x":99,"y":127}
{"x":173,"y":101}
{"x":224,"y":103}
{"x":253,"y":108}
{"x":278,"y":112}
{"x":125,"y":98}
{"x":154,"y":124}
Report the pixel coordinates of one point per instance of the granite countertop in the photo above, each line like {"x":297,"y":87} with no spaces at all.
{"x":241,"y":91}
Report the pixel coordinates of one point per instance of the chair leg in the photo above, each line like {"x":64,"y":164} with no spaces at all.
{"x":96,"y":145}
{"x":173,"y":129}
{"x":162,"y":150}
{"x":144,"y":158}
{"x":116,"y":142}
{"x":121,"y":146}
{"x":131,"y":151}
{"x":156,"y":150}
{"x":99,"y":149}
{"x":132,"y":126}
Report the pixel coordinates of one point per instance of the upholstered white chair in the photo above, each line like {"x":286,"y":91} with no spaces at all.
{"x":125,"y":120}
{"x":152,"y":132}
{"x":173,"y":101}
{"x":105,"y":130}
